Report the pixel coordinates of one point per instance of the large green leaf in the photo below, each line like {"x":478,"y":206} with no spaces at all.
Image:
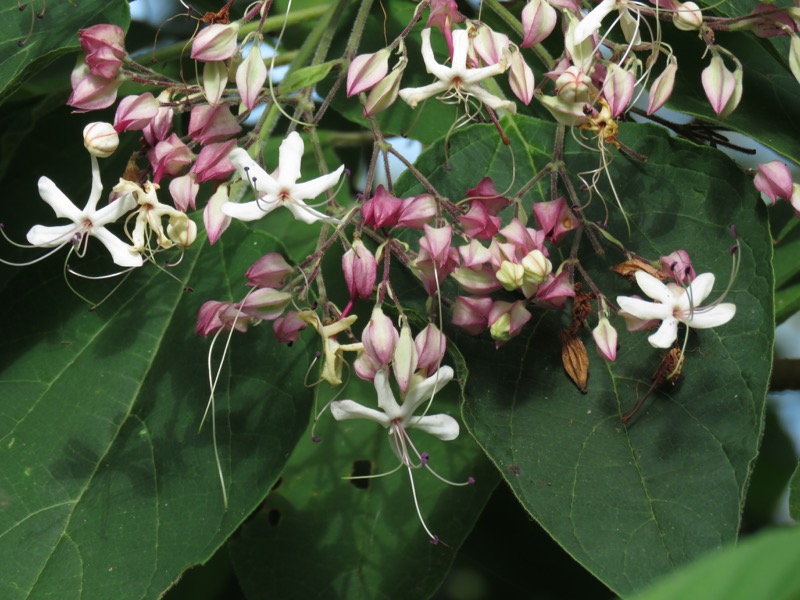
{"x":764,"y":566}
{"x":108,"y":489}
{"x":319,"y":536}
{"x":628,"y":503}
{"x":52,"y":35}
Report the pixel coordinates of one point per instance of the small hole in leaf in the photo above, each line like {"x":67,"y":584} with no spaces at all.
{"x":274,"y":517}
{"x":361,"y":468}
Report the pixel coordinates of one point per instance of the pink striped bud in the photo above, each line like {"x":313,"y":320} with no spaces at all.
{"x":288,"y":327}
{"x":250,"y":76}
{"x":431,"y":345}
{"x":383,"y":95}
{"x":184,"y":190}
{"x":91,"y":92}
{"x":208,"y":124}
{"x":417,"y":212}
{"x":161,"y":125}
{"x":134,"y":113}
{"x":618,"y":89}
{"x":554,"y":218}
{"x":215,"y":220}
{"x":366,"y":71}
{"x":605,"y":337}
{"x":520,"y":78}
{"x":774,"y":180}
{"x":479,"y":223}
{"x":216,"y":42}
{"x":688,"y":17}
{"x":269,"y":271}
{"x":100,"y":139}
{"x":104,"y":48}
{"x":265,"y":304}
{"x":380,"y":337}
{"x":216,"y":316}
{"x":538,"y":21}
{"x":405,"y":358}
{"x":472,"y":314}
{"x":213,"y":163}
{"x":169,"y":157}
{"x":723,"y":88}
{"x":662,"y":87}
{"x":215,"y":80}
{"x":490,"y":45}
{"x":360,"y":270}
{"x":382,"y":210}
{"x":573,"y":86}
{"x":556,"y":289}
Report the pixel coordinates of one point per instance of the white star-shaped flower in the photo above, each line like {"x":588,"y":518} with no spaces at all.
{"x":87,"y":222}
{"x":457,"y":80}
{"x":280,"y":188}
{"x":399,"y":417}
{"x":676,"y":304}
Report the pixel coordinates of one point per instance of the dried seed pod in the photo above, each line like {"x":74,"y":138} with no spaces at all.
{"x":575,"y":359}
{"x":628,"y":269}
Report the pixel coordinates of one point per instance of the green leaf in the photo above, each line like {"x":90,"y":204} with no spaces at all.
{"x":28,"y":43}
{"x":787,"y":302}
{"x":362,"y":539}
{"x":794,"y":494}
{"x":763,"y":566}
{"x":306,"y":77}
{"x":628,"y":503}
{"x":105,"y":480}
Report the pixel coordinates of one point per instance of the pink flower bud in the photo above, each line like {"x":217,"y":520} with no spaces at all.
{"x":678,"y":265}
{"x":216,"y":42}
{"x":382,"y":210}
{"x":250,"y":76}
{"x":605,"y":337}
{"x":215,"y":220}
{"x":366,"y":367}
{"x":366,"y":71}
{"x":472,"y":314}
{"x":100,"y":139}
{"x":380,"y":337}
{"x":360,"y":270}
{"x":774,"y":23}
{"x":91,"y":92}
{"x":383,"y":95}
{"x":662,"y":87}
{"x":486,"y":193}
{"x":265,"y":304}
{"x":103,"y":47}
{"x":520,"y":78}
{"x":774,"y":180}
{"x":538,"y":21}
{"x":161,"y":125}
{"x":431,"y":345}
{"x":618,"y":89}
{"x":490,"y":45}
{"x":524,"y":239}
{"x":288,"y":327}
{"x":169,"y":157}
{"x":479,"y":223}
{"x":417,"y":212}
{"x":208,"y":124}
{"x":688,"y":17}
{"x":477,"y":279}
{"x":184,"y":190}
{"x":556,"y":289}
{"x":507,"y":319}
{"x":135,"y":112}
{"x":215,"y":80}
{"x":555,"y":219}
{"x":269,"y":271}
{"x":213,"y":163}
{"x":404,"y":360}
{"x":216,"y":316}
{"x":723,"y":88}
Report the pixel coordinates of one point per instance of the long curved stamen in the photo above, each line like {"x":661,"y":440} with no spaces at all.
{"x":433,"y":537}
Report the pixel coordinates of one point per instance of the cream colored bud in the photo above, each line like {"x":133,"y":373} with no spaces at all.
{"x":100,"y":139}
{"x":182,"y":230}
{"x":537,"y":267}
{"x":688,"y":17}
{"x":511,"y":275}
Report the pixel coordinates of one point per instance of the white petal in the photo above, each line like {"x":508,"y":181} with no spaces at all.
{"x":437,"y":70}
{"x":666,"y":334}
{"x":718,"y":315}
{"x":443,"y":427}
{"x":698,"y":290}
{"x":642,"y":309}
{"x":291,"y":154}
{"x":386,"y":398}
{"x":50,"y":237}
{"x":308,"y":190}
{"x":251,"y":171}
{"x":591,"y":22}
{"x":249,"y":211}
{"x":342,"y":410}
{"x":113,"y":211}
{"x":121,"y":253}
{"x":61,"y":205}
{"x":489,"y":99}
{"x":654,"y":288}
{"x":630,"y":27}
{"x":305,"y":213}
{"x":413,"y":96}
{"x":460,"y":49}
{"x":423,"y":391}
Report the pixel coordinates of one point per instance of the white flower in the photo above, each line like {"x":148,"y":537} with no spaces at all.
{"x":458,"y":80}
{"x":87,"y":222}
{"x":399,"y":417}
{"x":591,"y":23}
{"x":280,"y":188}
{"x":676,"y":304}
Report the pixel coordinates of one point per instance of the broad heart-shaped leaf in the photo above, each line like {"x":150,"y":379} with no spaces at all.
{"x":107,"y":487}
{"x":628,"y":503}
{"x":55,"y":33}
{"x":319,"y":536}
{"x":763,"y":566}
